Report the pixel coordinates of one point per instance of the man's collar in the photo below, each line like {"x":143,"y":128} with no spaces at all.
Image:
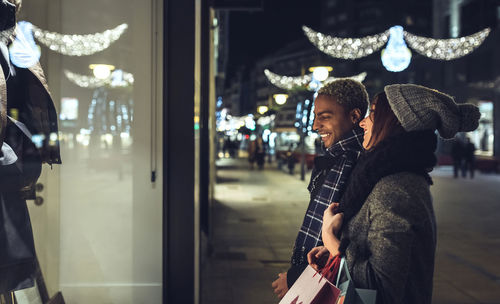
{"x":352,"y":141}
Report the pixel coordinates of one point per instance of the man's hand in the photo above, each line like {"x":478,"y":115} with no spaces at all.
{"x":317,"y":257}
{"x":280,"y":286}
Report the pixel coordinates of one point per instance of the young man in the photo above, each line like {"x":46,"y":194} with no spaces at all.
{"x":338,"y":108}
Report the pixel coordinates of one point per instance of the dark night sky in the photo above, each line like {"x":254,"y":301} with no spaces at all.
{"x":254,"y":35}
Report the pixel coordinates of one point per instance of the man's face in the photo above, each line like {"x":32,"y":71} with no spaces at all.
{"x":331,"y":120}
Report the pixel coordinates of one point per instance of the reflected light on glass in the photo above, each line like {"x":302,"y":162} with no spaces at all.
{"x":37,"y":139}
{"x":14,"y":113}
{"x":101,"y":71}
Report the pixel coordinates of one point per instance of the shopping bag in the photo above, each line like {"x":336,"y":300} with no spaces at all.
{"x":311,"y":288}
{"x":349,"y":294}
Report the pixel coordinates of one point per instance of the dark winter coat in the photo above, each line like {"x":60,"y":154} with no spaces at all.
{"x":389,"y":230}
{"x":393,"y":240}
{"x":24,"y":94}
{"x":28,"y":92}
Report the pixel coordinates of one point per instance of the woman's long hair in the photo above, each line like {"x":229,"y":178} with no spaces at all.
{"x":385,"y":123}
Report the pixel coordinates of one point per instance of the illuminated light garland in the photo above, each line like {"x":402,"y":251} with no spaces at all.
{"x":359,"y":78}
{"x":398,"y":57}
{"x":287,"y":82}
{"x":346,"y":48}
{"x":115,"y":80}
{"x":291,"y":82}
{"x":446,"y":49}
{"x":78,"y":45}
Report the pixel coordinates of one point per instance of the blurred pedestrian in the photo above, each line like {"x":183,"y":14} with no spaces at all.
{"x":385,"y":225}
{"x":252,"y":150}
{"x":469,"y":163}
{"x":290,"y":159}
{"x":226,"y":146}
{"x":338,"y":108}
{"x":457,"y":155}
{"x":233,"y":148}
{"x":260,"y":153}
{"x":484,"y":140}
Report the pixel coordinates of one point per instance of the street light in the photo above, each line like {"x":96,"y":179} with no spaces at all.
{"x":262,"y":109}
{"x":280,"y":98}
{"x":320,"y":73}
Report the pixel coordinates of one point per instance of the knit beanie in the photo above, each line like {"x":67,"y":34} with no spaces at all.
{"x":420,"y":108}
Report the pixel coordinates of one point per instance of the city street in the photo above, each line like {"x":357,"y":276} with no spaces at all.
{"x":257,"y":215}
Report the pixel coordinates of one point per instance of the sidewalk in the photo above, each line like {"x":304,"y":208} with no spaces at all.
{"x":258,"y":213}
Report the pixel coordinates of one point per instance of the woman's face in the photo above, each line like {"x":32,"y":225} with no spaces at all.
{"x":367,"y":125}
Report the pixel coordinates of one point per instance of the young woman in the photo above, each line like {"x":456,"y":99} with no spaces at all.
{"x":385,"y":218}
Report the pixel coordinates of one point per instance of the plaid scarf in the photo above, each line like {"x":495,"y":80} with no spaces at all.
{"x":327,"y":185}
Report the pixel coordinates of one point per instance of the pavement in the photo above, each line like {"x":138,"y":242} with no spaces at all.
{"x":257,"y":214}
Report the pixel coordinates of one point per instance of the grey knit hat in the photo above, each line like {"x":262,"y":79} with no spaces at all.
{"x":420,"y":108}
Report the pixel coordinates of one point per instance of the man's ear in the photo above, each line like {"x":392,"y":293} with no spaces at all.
{"x":355,"y":116}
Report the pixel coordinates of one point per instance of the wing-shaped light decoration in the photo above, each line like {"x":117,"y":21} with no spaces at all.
{"x":79,"y":45}
{"x":359,"y":78}
{"x":291,"y":82}
{"x":446,"y":49}
{"x":84,"y":81}
{"x":396,"y":57}
{"x":346,"y":48}
{"x":117,"y":79}
{"x":287,"y":82}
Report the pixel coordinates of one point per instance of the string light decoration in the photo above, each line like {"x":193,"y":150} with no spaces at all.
{"x":354,"y":48}
{"x":117,"y":79}
{"x":78,"y":45}
{"x":287,"y":82}
{"x":446,"y":49}
{"x":346,"y":48}
{"x":359,"y":78}
{"x":292,"y":82}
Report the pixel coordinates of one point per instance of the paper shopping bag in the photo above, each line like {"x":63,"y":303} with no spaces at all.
{"x":349,"y":294}
{"x":311,"y":288}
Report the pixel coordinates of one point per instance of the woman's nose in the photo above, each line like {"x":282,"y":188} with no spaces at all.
{"x":362,"y":123}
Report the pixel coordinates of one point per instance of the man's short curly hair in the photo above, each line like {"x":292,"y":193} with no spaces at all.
{"x":350,"y":94}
